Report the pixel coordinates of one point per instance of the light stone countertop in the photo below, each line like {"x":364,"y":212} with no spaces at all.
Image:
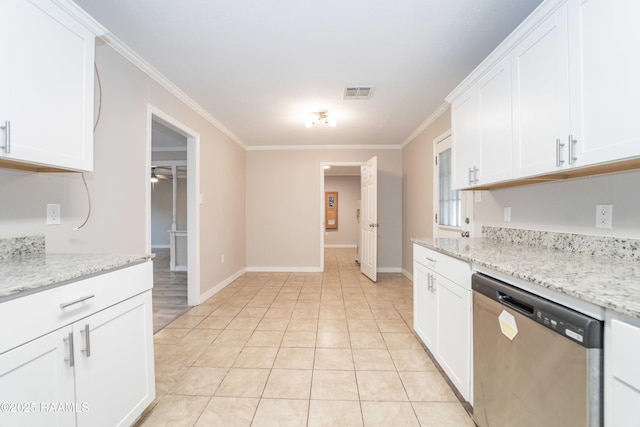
{"x":21,"y":275}
{"x":601,"y":280}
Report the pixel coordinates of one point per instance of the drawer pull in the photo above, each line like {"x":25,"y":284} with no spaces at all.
{"x":75,"y":301}
{"x":430,"y":259}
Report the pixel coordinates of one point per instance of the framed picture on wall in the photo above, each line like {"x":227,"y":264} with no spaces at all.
{"x":331,"y":210}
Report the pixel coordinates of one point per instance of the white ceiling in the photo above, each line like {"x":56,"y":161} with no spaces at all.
{"x":260,"y":66}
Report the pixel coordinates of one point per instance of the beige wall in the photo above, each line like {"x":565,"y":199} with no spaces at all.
{"x":284,"y":201}
{"x":120,"y":178}
{"x":348,"y":188}
{"x":417,"y":187}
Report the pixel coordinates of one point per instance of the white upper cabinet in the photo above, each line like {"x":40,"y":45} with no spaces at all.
{"x":46,"y":86}
{"x":565,"y":83}
{"x":464,"y":143}
{"x":494,"y":124}
{"x":605,"y":61}
{"x":482,"y":131}
{"x":541,"y":97}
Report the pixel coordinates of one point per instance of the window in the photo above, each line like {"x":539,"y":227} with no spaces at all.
{"x":449,"y":203}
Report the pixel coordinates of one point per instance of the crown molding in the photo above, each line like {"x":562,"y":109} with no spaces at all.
{"x":432,"y":118}
{"x":321,"y":147}
{"x":119,"y":46}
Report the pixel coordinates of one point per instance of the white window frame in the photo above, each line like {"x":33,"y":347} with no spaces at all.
{"x":440,"y":144}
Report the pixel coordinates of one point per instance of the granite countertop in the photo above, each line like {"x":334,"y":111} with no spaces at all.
{"x":606,"y":281}
{"x":28,"y":273}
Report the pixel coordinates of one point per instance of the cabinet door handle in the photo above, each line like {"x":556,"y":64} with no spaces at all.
{"x":7,"y":131}
{"x":433,"y":283}
{"x":572,"y":156}
{"x":430,"y":259}
{"x":470,"y":176}
{"x":559,"y":146}
{"x":71,"y":358}
{"x":87,"y":341}
{"x":475,"y":175}
{"x":76,"y":301}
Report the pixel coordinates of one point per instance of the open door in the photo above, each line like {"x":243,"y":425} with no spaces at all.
{"x":369,"y":218}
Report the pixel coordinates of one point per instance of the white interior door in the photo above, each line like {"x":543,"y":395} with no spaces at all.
{"x":369,"y":218}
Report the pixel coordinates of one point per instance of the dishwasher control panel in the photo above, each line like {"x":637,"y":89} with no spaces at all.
{"x":561,"y":326}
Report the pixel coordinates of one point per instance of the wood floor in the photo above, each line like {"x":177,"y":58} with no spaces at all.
{"x":169,"y":291}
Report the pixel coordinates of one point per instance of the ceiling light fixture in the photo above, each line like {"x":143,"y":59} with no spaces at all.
{"x":154,"y":178}
{"x":320,"y":116}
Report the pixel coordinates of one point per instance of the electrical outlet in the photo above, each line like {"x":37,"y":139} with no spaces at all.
{"x":53,"y":214}
{"x":477,"y":196}
{"x":604,"y":215}
{"x":507,"y":214}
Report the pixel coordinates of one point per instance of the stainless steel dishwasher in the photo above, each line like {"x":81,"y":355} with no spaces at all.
{"x":536,"y":363}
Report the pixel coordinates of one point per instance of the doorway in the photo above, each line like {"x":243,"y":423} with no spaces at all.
{"x":173,"y":151}
{"x":335,"y":176}
{"x":353,"y":169}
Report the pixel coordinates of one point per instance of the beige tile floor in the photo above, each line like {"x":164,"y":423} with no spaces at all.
{"x":301,"y":349}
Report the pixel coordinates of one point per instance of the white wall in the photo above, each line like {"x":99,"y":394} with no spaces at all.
{"x":566,"y":206}
{"x":120,"y":180}
{"x":284,"y":202}
{"x":348,"y":188}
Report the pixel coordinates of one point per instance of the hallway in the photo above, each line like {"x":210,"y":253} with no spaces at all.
{"x":301,"y":349}
{"x":169,"y":291}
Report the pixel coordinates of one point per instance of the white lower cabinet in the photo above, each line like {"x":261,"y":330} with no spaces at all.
{"x":96,"y":371}
{"x":622,"y":374}
{"x":454,"y":333}
{"x":34,"y":376}
{"x":442,"y":313}
{"x":425,"y":305}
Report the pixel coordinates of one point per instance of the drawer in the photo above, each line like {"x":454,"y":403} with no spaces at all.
{"x":31,"y":316}
{"x":452,"y":268}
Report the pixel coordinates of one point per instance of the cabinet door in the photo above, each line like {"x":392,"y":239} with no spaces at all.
{"x":424,"y":305}
{"x":623,"y":402}
{"x":495,"y":125}
{"x":116,"y":376}
{"x":35,"y":379}
{"x":464,"y":143}
{"x":605,"y":85}
{"x":454,"y":333}
{"x":541,"y":97}
{"x":47,"y":86}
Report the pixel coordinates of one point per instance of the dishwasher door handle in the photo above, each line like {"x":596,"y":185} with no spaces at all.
{"x":516,"y":304}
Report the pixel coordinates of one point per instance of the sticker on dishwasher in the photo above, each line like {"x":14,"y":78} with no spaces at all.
{"x":508,"y":325}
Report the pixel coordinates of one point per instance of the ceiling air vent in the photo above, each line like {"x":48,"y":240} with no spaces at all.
{"x":357,"y":92}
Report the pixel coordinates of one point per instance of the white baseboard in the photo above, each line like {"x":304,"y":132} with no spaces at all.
{"x":220,"y":286}
{"x":389,"y":270}
{"x":284,"y":269}
{"x":341,"y":246}
{"x":160,"y":246}
{"x":407,"y":274}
